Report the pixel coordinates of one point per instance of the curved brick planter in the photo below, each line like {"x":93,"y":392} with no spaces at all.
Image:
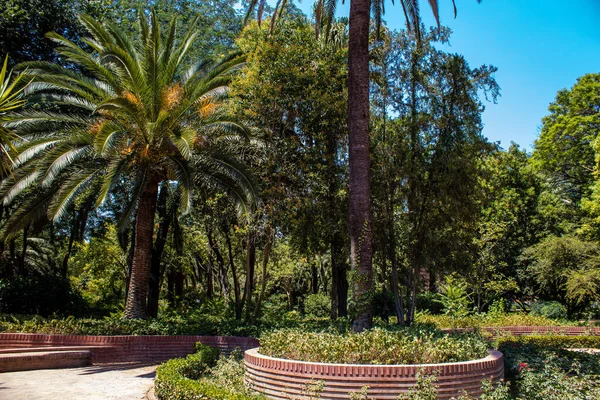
{"x":108,"y":349}
{"x":284,"y":379}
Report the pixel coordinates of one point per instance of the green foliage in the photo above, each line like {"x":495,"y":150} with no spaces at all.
{"x":41,"y":295}
{"x":549,"y":309}
{"x":453,"y":296}
{"x":376,"y":346}
{"x":567,"y":266}
{"x":423,"y":390}
{"x":317,"y":305}
{"x":564,"y":151}
{"x":550,"y":341}
{"x":190,"y":378}
{"x":483,"y":320}
{"x":99,"y":269}
{"x":541,"y":368}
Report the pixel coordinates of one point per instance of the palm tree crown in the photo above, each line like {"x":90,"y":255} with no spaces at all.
{"x":135,"y":115}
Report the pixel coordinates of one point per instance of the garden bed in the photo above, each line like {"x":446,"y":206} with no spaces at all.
{"x":283,"y":379}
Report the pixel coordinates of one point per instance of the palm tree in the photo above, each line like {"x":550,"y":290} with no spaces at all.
{"x":10,"y":100}
{"x":135,"y":117}
{"x":359,"y":157}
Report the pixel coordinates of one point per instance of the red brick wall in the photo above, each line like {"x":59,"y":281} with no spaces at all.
{"x":284,"y":379}
{"x":127,"y":348}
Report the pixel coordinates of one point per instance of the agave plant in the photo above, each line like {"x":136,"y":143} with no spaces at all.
{"x":10,"y":100}
{"x":134,"y":117}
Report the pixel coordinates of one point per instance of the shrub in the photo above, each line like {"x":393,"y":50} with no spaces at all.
{"x":189,"y":379}
{"x":376,"y":346}
{"x":318,"y":305}
{"x":549,"y":309}
{"x":542,"y":369}
{"x":556,"y":341}
{"x":41,"y":295}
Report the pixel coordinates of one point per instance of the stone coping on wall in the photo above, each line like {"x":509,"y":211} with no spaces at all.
{"x":283,"y":379}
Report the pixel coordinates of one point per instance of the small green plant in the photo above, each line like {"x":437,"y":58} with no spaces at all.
{"x":424,"y":389}
{"x":314,"y":388}
{"x":362,"y":394}
{"x":454,"y":298}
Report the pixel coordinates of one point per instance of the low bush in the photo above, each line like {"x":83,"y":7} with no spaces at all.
{"x":317,"y":305}
{"x":191,"y":378}
{"x":190,"y":323}
{"x":549,"y":309}
{"x":540,"y":367}
{"x":489,"y":320}
{"x":556,"y":341}
{"x":376,"y":346}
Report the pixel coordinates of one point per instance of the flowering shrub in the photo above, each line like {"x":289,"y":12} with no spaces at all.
{"x":376,"y":346}
{"x":542,"y":369}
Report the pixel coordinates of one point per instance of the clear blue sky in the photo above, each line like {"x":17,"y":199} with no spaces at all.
{"x":539,"y":47}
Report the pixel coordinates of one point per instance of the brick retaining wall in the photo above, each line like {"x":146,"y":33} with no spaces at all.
{"x":107,"y":349}
{"x":284,"y":379}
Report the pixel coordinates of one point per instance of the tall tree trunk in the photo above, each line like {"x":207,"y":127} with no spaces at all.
{"x":234,"y":275}
{"x":361,"y":253}
{"x":223,"y":280}
{"x":250,"y":264}
{"x":265,"y":262}
{"x":135,"y":306}
{"x":157,"y":252}
{"x":65,"y":263}
{"x":23,"y":252}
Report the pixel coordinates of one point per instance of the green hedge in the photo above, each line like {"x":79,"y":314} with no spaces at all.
{"x":557,"y":341}
{"x":182,"y":379}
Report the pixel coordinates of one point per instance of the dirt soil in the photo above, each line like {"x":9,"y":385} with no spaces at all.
{"x":98,"y":382}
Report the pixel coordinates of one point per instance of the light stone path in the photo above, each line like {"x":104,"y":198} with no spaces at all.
{"x":98,"y":382}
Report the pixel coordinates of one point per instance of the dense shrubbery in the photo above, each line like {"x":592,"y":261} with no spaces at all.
{"x":202,"y":375}
{"x":376,"y":346}
{"x":41,"y":295}
{"x":192,"y":323}
{"x":540,"y":368}
{"x":549,"y":309}
{"x":489,"y":319}
{"x":203,"y":321}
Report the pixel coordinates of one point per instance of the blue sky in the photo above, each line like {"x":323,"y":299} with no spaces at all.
{"x":539,"y":47}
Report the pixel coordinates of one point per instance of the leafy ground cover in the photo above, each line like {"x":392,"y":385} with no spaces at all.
{"x":376,"y":346}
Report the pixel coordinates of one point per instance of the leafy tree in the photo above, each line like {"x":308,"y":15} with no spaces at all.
{"x":429,"y":160}
{"x":510,"y":222}
{"x":135,"y":117}
{"x":565,"y":267}
{"x":564,"y":151}
{"x":294,"y":86}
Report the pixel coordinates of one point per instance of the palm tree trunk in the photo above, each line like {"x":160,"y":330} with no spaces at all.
{"x":361,"y":253}
{"x":155,"y":275}
{"x":135,"y":306}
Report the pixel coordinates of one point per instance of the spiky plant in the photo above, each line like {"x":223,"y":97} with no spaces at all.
{"x":134,"y":117}
{"x":10,"y":100}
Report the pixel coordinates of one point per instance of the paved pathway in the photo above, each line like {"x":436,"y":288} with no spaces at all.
{"x":98,"y":382}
